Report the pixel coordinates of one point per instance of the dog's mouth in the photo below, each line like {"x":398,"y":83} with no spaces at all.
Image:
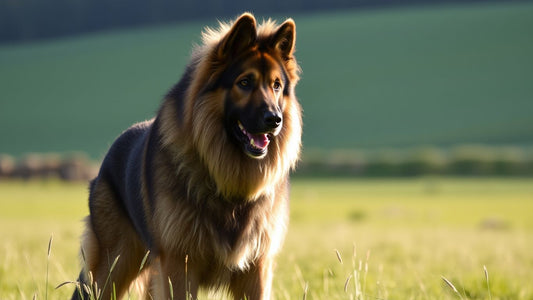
{"x":255,"y":144}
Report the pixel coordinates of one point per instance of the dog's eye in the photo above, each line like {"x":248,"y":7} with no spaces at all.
{"x":244,"y":84}
{"x":276,"y":86}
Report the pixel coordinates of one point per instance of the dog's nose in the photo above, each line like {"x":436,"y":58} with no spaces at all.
{"x":272,"y":119}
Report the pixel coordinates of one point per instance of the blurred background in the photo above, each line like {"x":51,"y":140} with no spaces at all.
{"x":397,"y":88}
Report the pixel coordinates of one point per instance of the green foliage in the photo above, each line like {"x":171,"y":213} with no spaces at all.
{"x":464,"y":160}
{"x":348,"y":239}
{"x":29,"y":19}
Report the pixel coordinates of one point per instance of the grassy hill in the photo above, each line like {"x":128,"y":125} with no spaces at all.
{"x":437,"y":75}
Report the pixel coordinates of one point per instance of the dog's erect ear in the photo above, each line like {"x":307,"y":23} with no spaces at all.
{"x":241,"y":36}
{"x":284,"y":38}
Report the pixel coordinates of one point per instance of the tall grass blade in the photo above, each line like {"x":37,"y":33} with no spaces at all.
{"x":487,"y":279}
{"x":97,"y":292}
{"x":346,"y":283}
{"x":171,"y":289}
{"x":143,"y":262}
{"x":78,"y":287}
{"x":83,"y":256}
{"x":357,"y":284}
{"x":354,"y":254}
{"x":186,"y":279}
{"x":48,"y":265}
{"x":80,"y":291}
{"x":299,"y":276}
{"x":50,"y":245}
{"x":109,"y":274}
{"x":65,"y":283}
{"x":338,"y":255}
{"x":450,"y":284}
{"x":325,"y":282}
{"x":366,"y":272}
{"x":305,"y":291}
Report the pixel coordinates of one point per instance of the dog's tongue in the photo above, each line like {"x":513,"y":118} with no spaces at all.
{"x":259,"y":140}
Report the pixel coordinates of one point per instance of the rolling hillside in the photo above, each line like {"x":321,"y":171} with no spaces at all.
{"x":438,"y":75}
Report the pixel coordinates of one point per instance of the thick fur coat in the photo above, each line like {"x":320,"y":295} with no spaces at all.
{"x":200,"y":192}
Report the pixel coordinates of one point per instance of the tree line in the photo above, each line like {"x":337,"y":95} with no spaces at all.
{"x":463,"y":160}
{"x":25,"y":20}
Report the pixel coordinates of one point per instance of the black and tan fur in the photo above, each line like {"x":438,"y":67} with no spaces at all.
{"x":204,"y":185}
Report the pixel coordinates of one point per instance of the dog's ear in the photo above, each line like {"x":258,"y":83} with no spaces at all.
{"x":284,"y":38}
{"x":241,"y":36}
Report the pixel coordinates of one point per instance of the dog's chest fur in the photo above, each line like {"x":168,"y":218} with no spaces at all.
{"x":229,"y":234}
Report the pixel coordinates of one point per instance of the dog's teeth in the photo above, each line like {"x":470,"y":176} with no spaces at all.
{"x":252,"y":142}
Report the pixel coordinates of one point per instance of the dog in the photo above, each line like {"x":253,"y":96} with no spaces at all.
{"x":198,"y":196}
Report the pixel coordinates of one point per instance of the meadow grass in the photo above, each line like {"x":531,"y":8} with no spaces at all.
{"x":348,"y":239}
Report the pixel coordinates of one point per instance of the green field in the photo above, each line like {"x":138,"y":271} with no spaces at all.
{"x":439,"y":75}
{"x":406,"y":234}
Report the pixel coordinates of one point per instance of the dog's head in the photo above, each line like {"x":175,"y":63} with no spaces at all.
{"x":241,"y":108}
{"x":257,"y":81}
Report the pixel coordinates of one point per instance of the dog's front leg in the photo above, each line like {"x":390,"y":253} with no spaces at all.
{"x":254,"y":283}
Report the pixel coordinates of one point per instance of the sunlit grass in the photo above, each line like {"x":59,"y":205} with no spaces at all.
{"x":397,"y":239}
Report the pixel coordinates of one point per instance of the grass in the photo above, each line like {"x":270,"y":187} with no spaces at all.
{"x":416,"y":230}
{"x":439,"y":75}
{"x":348,"y":239}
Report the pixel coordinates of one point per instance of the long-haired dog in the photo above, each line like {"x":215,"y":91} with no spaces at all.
{"x":198,"y":196}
